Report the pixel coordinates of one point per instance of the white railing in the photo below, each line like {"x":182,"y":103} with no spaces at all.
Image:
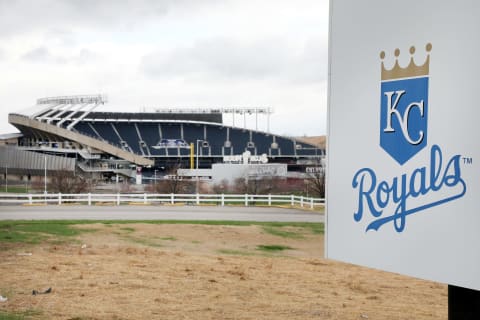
{"x":156,"y":198}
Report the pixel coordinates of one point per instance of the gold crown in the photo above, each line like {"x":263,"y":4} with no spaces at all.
{"x":412,"y":70}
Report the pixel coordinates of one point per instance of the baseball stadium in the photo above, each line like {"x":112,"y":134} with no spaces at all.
{"x":72,"y":133}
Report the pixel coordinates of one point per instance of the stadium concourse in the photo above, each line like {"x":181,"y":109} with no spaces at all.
{"x":70,"y":133}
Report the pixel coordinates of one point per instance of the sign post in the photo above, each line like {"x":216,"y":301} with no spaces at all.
{"x":403,"y":152}
{"x":463,"y":303}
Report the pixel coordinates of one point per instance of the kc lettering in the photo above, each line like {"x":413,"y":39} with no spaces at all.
{"x":404,"y":117}
{"x":393,"y":99}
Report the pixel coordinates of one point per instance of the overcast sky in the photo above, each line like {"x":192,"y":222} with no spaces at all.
{"x":170,"y":53}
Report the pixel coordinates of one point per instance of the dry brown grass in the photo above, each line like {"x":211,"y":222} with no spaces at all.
{"x":142,"y":271}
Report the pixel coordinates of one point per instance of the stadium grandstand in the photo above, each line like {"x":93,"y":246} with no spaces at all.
{"x":75,"y":135}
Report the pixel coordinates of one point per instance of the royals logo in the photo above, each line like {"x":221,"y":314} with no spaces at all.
{"x":403,"y":133}
{"x":404,"y":107}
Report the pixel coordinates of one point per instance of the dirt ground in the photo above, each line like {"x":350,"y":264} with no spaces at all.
{"x":144,"y":271}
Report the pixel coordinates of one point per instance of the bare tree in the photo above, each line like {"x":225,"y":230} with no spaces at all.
{"x":316,"y":182}
{"x":64,"y":181}
{"x":37,"y":183}
{"x":126,"y":187}
{"x":221,"y":187}
{"x":257,"y":185}
{"x":240,"y":185}
{"x":173,"y":183}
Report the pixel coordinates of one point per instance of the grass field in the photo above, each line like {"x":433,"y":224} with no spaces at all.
{"x":195,"y":270}
{"x":14,"y":189}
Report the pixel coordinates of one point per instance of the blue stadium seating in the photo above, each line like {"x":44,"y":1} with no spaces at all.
{"x":185,"y":133}
{"x":128,"y":134}
{"x":171,"y":131}
{"x":106,"y":131}
{"x":149,"y":132}
{"x":262,"y":142}
{"x":239,"y":139}
{"x":151,"y":136}
{"x":286,"y":146}
{"x":84,"y":128}
{"x":192,"y":132}
{"x":216,"y":136}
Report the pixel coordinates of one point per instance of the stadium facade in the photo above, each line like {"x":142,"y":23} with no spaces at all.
{"x":68,"y":133}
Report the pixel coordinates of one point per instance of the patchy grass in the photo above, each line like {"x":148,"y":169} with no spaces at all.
{"x":146,"y":242}
{"x":142,"y":241}
{"x":235,"y":252}
{"x":282,"y":233}
{"x":149,"y":242}
{"x":14,"y":189}
{"x":273,"y":248}
{"x":33,"y":232}
{"x":12,"y":236}
{"x":170,"y":238}
{"x":25,"y":315}
{"x":315,"y":227}
{"x":10,"y":316}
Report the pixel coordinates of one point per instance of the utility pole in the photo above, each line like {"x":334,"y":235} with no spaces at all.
{"x":116,"y":176}
{"x":196,"y":171}
{"x":45,"y":176}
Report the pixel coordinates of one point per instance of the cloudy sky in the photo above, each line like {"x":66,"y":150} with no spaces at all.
{"x":146,"y":54}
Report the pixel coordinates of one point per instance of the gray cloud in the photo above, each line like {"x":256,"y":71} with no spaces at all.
{"x":312,"y":64}
{"x":60,"y":36}
{"x":23,"y":16}
{"x":228,"y":59}
{"x":43,"y":55}
{"x":85,"y":56}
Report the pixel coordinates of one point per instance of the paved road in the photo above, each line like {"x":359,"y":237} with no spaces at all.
{"x":54,"y":212}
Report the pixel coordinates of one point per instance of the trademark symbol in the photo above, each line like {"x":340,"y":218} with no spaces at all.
{"x":467,"y":160}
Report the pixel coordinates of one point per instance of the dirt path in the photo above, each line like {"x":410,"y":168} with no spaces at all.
{"x":142,"y":271}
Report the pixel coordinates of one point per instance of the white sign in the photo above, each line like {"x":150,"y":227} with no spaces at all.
{"x":268,"y":170}
{"x":314,"y":170}
{"x":403,"y":152}
{"x":171,"y":143}
{"x":246,"y":158}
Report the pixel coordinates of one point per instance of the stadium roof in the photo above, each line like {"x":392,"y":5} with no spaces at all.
{"x":207,"y":117}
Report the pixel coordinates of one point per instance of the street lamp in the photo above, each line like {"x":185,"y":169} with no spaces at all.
{"x":45,"y":176}
{"x":6,"y":170}
{"x":196,"y":171}
{"x":116,"y":175}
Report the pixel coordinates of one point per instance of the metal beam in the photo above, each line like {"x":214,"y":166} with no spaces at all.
{"x":77,"y":120}
{"x":71,"y":114}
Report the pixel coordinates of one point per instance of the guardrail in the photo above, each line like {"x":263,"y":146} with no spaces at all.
{"x":157,"y":198}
